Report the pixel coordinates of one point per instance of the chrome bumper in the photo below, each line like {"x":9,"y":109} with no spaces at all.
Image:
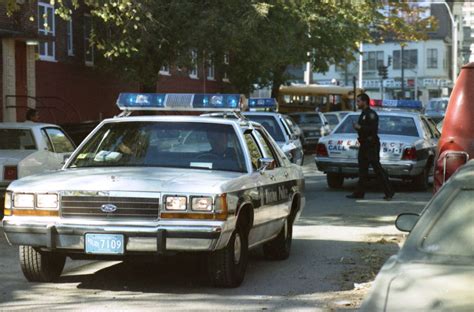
{"x":152,"y":238}
{"x":397,"y":169}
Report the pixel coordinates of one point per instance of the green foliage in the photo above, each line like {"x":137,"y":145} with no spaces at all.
{"x":262,"y":37}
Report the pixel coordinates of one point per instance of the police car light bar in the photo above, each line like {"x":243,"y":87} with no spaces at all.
{"x":179,"y":102}
{"x":262,"y":103}
{"x":399,"y":104}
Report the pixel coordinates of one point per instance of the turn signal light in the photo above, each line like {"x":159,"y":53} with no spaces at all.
{"x":321,"y":150}
{"x":409,"y":154}
{"x":10,"y":173}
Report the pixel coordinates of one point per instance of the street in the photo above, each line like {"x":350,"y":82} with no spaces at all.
{"x":339,"y":245}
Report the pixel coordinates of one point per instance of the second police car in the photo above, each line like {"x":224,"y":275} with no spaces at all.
{"x":408,"y":146}
{"x":281,"y":127}
{"x":154,"y":185}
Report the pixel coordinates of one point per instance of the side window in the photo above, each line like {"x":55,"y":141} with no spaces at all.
{"x":47,"y":141}
{"x":255,"y":153}
{"x":61,"y":143}
{"x":267,"y":147}
{"x":427,"y":129}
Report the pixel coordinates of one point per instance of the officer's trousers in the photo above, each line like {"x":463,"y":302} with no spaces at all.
{"x":369,"y":154}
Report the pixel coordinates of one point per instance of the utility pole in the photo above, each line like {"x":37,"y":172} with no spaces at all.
{"x":402,"y":65}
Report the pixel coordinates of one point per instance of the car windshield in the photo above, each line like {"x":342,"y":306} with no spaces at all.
{"x":163,"y":144}
{"x":437,"y":105}
{"x":395,"y":125}
{"x":307,"y":119}
{"x":270,"y":124}
{"x":17,"y":139}
{"x":452,"y":234}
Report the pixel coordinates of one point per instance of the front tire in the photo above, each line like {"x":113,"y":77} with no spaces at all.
{"x":334,"y":180}
{"x":226,"y":267}
{"x":279,"y":248}
{"x":40,"y":266}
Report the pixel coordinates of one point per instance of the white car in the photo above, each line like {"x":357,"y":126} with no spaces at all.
{"x":28,"y":148}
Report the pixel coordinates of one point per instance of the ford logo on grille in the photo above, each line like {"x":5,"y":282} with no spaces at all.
{"x":108,"y":208}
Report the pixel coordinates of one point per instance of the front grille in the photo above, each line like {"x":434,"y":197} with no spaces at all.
{"x":127,"y":207}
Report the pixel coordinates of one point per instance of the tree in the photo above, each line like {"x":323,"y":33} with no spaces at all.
{"x":262,"y":37}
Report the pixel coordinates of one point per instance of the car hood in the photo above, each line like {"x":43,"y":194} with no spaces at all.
{"x":13,"y":157}
{"x":422,"y":287}
{"x":309,"y":127}
{"x":143,"y":179}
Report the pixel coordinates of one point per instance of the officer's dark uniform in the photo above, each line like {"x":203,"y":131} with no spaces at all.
{"x":369,"y":153}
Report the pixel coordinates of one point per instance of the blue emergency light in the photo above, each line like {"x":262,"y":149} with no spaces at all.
{"x":402,"y":104}
{"x":268,"y":103}
{"x":178,"y":101}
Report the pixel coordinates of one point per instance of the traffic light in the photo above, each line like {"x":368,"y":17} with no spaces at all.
{"x":383,"y":72}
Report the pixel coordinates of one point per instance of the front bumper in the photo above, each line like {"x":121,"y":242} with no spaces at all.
{"x":399,"y":169}
{"x":156,"y":237}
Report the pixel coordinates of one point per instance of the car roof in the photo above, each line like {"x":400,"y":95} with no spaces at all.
{"x":26,"y":125}
{"x":262,"y":113}
{"x":465,"y":174}
{"x":391,"y":112}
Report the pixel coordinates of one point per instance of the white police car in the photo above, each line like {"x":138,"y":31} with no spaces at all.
{"x":408,"y":146}
{"x":283,"y":130}
{"x":155,"y":185}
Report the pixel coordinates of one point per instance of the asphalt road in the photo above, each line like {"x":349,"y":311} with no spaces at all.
{"x":338,"y":246}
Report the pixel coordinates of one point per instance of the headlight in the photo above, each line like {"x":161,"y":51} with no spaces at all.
{"x":24,"y":201}
{"x":47,"y":201}
{"x":175,"y":202}
{"x":8,"y":200}
{"x":201,"y":203}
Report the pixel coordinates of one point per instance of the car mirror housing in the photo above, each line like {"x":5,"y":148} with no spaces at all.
{"x":406,"y":221}
{"x":265,"y":163}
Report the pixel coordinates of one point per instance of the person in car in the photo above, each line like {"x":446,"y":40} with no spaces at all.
{"x":32,"y":115}
{"x":369,"y":150}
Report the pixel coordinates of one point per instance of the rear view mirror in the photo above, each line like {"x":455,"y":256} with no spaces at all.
{"x":265,"y":163}
{"x":406,"y":221}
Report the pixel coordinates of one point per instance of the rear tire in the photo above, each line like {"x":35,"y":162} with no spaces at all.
{"x":279,"y":248}
{"x":420,"y":182}
{"x":334,"y":180}
{"x":226,"y":267}
{"x":40,"y":266}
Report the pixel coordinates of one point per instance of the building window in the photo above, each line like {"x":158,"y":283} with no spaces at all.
{"x":410,"y":59}
{"x":193,"y":71}
{"x":226,"y":64}
{"x":46,"y":28}
{"x":69,"y":38}
{"x":211,"y":70}
{"x":88,"y":48}
{"x":373,"y":60}
{"x":165,"y":69}
{"x":432,"y":58}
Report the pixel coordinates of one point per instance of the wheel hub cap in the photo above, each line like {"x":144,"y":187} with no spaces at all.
{"x":237,"y":248}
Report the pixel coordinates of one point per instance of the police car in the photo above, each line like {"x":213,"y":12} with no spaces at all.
{"x":283,"y":130}
{"x":408,"y":146}
{"x":28,"y":148}
{"x":157,"y":185}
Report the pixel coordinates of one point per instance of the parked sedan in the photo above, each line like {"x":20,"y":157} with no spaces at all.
{"x":314,"y":126}
{"x":434,"y":270}
{"x":408,"y":145}
{"x":28,"y":148}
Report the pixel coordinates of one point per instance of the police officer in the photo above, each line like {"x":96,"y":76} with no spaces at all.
{"x":369,"y":149}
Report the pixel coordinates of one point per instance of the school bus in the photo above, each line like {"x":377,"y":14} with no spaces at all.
{"x":313,"y":97}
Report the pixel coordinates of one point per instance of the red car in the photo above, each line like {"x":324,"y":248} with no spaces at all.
{"x":456,"y":145}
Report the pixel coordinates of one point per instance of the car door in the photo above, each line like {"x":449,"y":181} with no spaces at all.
{"x":59,"y":147}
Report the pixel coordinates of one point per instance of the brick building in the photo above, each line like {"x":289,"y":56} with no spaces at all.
{"x":47,"y":63}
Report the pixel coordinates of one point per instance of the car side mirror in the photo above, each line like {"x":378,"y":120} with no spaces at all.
{"x":406,"y":221}
{"x":265,"y":163}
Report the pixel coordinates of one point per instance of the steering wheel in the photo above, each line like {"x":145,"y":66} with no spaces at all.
{"x":208,"y":155}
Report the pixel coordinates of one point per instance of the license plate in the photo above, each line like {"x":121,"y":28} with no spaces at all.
{"x":108,"y":244}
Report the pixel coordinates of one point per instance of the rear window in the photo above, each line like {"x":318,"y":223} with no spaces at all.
{"x":394,"y":125}
{"x":437,"y":105}
{"x":17,"y":139}
{"x":307,"y":119}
